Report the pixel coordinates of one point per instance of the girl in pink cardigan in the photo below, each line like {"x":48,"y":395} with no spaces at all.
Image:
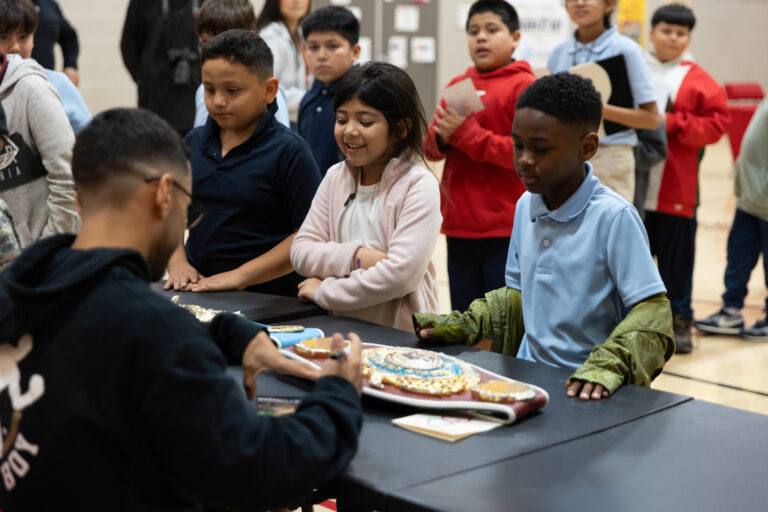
{"x":368,"y":238}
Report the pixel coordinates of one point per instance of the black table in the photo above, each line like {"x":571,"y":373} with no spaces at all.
{"x":695,"y":456}
{"x":259,"y":307}
{"x":391,"y":458}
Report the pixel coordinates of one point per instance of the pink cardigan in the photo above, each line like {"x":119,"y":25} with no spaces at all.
{"x":402,"y":283}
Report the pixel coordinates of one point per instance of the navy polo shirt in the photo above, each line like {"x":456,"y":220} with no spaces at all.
{"x":316,"y":122}
{"x":254,"y":197}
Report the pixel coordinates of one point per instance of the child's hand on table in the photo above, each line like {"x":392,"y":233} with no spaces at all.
{"x":586,"y":390}
{"x":181,"y":276}
{"x":308,"y":288}
{"x":230,"y":280}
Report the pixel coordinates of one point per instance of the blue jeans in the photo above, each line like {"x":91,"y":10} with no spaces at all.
{"x":475,"y":267}
{"x":747,"y":239}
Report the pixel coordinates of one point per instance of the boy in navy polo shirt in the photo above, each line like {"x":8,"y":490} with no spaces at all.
{"x":582,"y":289}
{"x":254,"y":177}
{"x":331,"y":34}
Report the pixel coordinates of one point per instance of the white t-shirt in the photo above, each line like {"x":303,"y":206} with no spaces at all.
{"x":360,"y":222}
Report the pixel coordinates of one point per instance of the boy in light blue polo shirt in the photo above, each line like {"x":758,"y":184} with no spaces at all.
{"x":582,"y":289}
{"x":596,"y":40}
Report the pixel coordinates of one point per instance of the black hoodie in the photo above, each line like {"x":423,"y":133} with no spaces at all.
{"x":113,"y":398}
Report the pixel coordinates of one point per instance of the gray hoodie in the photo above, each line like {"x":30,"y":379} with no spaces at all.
{"x":752,"y":166}
{"x":45,"y":205}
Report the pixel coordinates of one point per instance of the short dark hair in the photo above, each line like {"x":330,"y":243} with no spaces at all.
{"x":506,"y":12}
{"x":674,"y":14}
{"x":333,"y":19}
{"x":570,"y":98}
{"x":241,"y":47}
{"x":217,"y":16}
{"x":119,"y":141}
{"x":390,"y":90}
{"x":17,"y":15}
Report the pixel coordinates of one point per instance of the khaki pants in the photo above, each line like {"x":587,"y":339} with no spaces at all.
{"x":614,"y":166}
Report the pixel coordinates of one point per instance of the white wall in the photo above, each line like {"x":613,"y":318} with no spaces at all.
{"x":730,"y":41}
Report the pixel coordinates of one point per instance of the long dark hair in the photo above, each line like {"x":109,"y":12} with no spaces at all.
{"x":391,"y":91}
{"x":271,"y":12}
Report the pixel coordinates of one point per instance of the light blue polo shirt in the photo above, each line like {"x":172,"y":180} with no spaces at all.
{"x":609,"y":44}
{"x":580,"y":269}
{"x":74,"y":105}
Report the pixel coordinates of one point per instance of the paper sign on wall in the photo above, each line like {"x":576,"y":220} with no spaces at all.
{"x":423,"y":50}
{"x":366,"y":50}
{"x":358,"y":12}
{"x":397,"y":51}
{"x":406,"y":18}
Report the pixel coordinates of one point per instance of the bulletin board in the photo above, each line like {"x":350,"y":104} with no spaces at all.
{"x":402,"y":32}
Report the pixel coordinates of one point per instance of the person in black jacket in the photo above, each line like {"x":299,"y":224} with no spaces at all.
{"x":111,"y":396}
{"x":159,"y":48}
{"x":53,"y":28}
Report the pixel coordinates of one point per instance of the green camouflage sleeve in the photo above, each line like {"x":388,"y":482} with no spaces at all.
{"x":498,"y":317}
{"x":9,"y":242}
{"x":636,"y":350}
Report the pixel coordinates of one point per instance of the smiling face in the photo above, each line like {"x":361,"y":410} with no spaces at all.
{"x":236,"y":98}
{"x":550,"y":155}
{"x":363,"y":135}
{"x":490,"y":43}
{"x":330,"y":55}
{"x":669,"y":41}
{"x":18,"y":42}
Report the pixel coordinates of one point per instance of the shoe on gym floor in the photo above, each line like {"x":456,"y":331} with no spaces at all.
{"x":682,"y":328}
{"x":758,"y":332}
{"x":726,"y":321}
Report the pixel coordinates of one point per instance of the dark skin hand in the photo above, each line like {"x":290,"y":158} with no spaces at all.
{"x":585,"y":390}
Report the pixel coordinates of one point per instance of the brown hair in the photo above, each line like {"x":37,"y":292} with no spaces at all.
{"x":217,"y":16}
{"x":17,"y":15}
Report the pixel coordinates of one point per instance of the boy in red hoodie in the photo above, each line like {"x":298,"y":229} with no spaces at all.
{"x":696,"y":115}
{"x":480,"y":183}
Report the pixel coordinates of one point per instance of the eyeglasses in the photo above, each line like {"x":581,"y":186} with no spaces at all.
{"x":195,"y":211}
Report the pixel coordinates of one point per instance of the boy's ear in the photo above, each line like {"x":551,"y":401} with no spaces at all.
{"x":270,"y":89}
{"x":403,"y":127}
{"x":516,"y":39}
{"x":355,"y":52}
{"x":589,"y":145}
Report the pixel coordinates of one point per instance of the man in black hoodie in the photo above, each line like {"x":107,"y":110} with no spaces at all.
{"x":112,"y":397}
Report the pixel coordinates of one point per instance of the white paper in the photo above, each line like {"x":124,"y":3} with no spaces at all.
{"x":358,"y":12}
{"x":447,"y":428}
{"x":462,"y":11}
{"x":341,"y":2}
{"x":423,"y":50}
{"x":406,"y":18}
{"x":397,"y":51}
{"x":366,"y":50}
{"x":461,"y":95}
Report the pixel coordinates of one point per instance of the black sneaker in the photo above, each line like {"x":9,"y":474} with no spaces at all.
{"x":726,"y":321}
{"x":682,"y":328}
{"x":758,"y":332}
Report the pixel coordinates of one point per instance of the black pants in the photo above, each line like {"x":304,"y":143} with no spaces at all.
{"x":673,"y":242}
{"x":475,"y":266}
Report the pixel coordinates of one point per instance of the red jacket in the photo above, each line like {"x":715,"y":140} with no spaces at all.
{"x":481,"y":186}
{"x":699,"y":117}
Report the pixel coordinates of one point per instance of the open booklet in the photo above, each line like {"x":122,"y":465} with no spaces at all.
{"x":618,"y":90}
{"x":448,"y":428}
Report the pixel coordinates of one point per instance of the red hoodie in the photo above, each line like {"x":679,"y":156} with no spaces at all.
{"x":481,"y":186}
{"x":699,"y":117}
